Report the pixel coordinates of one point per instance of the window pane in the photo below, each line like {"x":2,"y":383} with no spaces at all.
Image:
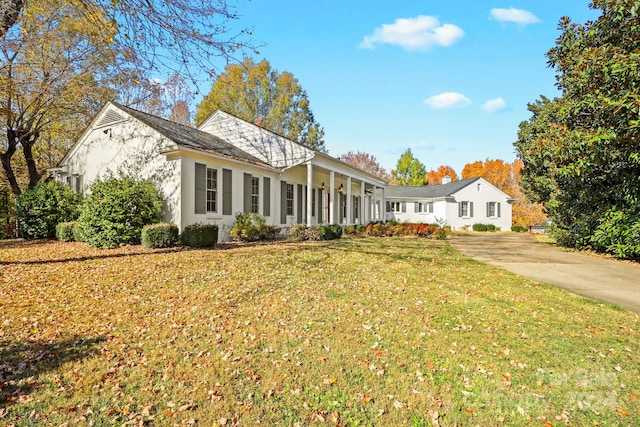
{"x":255,"y":194}
{"x":212,"y":190}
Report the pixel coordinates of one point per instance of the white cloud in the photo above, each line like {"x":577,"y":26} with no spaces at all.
{"x":417,"y":33}
{"x":519,"y":16}
{"x":494,"y":105}
{"x":447,"y":100}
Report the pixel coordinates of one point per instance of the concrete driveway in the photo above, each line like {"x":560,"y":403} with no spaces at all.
{"x":601,"y":279}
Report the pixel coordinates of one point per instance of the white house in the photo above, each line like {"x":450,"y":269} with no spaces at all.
{"x":227,"y":166}
{"x":458,"y":204}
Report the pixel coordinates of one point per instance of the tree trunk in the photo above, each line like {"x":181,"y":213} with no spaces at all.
{"x":8,"y":169}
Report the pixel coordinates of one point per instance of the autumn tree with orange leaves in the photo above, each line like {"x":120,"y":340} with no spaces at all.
{"x":506,"y":177}
{"x":434,"y":177}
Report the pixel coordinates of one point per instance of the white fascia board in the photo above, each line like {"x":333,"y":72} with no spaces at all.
{"x":182,"y":151}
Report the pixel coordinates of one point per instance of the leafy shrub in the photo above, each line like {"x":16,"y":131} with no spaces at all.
{"x":336,"y":229}
{"x":350,"y":230}
{"x":249,"y":227}
{"x":161,"y":235}
{"x":519,"y":228}
{"x":40,"y":209}
{"x":200,"y":235}
{"x":490,"y":227}
{"x":479,"y":227}
{"x":298,"y":232}
{"x":313,"y":234}
{"x":64,"y":231}
{"x":78,"y":232}
{"x":618,"y":233}
{"x":116,"y":211}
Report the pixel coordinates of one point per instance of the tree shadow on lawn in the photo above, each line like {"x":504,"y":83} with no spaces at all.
{"x":94,"y":253}
{"x":21,"y":363}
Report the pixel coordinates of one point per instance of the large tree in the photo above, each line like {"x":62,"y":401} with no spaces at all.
{"x":434,"y":177}
{"x":409,"y":171}
{"x":581,"y":150}
{"x":507,"y":177}
{"x":59,"y":60}
{"x":259,"y":94}
{"x":366,"y":162}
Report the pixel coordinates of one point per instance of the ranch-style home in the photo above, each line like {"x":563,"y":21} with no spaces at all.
{"x":226,"y":166}
{"x":458,"y":204}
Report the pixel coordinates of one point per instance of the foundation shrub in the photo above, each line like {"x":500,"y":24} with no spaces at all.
{"x":64,"y":231}
{"x":161,"y":235}
{"x":200,"y":235}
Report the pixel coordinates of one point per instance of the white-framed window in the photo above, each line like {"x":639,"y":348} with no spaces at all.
{"x":290,"y":199}
{"x":255,"y":194}
{"x":395,"y":206}
{"x":426,"y":207}
{"x":493,"y":210}
{"x":465,"y":209}
{"x":212,"y":190}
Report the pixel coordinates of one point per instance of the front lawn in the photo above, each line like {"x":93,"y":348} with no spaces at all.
{"x":359,"y":331}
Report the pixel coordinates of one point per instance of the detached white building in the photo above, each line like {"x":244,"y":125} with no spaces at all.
{"x":226,"y":166}
{"x":458,"y":204}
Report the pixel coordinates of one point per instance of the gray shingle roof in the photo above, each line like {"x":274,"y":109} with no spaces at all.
{"x":428,"y":191}
{"x":190,"y":137}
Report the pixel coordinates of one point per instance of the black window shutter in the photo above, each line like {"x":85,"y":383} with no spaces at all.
{"x":388,"y":206}
{"x":299,"y":204}
{"x":404,"y":207}
{"x":283,"y":202}
{"x":201,"y":188}
{"x":247,"y":193}
{"x":471,"y":209}
{"x":498,"y":208}
{"x":266,"y":197}
{"x":227,"y":192}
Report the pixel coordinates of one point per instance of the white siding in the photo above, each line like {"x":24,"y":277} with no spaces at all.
{"x":128,"y":147}
{"x":486,"y":193}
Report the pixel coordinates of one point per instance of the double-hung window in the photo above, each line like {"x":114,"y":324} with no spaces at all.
{"x":290,"y":199}
{"x":255,"y":195}
{"x":212,"y":190}
{"x":426,"y":207}
{"x":465,"y":209}
{"x":395,"y":206}
{"x":493,"y":210}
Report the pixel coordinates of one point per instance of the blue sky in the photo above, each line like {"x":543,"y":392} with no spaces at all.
{"x":449,"y":79}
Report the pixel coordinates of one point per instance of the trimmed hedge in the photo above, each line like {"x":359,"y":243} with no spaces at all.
{"x":519,"y":228}
{"x":200,"y":235}
{"x":64,"y":231}
{"x":479,"y":227}
{"x":41,"y":208}
{"x":161,"y":235}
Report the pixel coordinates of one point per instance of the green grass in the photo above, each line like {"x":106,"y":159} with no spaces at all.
{"x":353,"y":332}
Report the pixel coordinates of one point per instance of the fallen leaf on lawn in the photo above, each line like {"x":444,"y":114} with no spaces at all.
{"x":622,"y":411}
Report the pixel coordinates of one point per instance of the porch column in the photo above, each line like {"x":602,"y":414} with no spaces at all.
{"x":309,"y":193}
{"x":374,"y":201}
{"x":383,"y":206}
{"x":332,"y":194}
{"x":349,"y":216}
{"x":361,"y":204}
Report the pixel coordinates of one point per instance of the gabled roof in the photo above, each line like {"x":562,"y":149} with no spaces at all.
{"x":190,"y":137}
{"x":268,"y":146}
{"x":428,"y":191}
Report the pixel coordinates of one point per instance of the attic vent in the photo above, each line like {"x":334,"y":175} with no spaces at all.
{"x":109,"y":117}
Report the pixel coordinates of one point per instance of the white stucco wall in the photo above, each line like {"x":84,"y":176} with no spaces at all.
{"x":125,"y":147}
{"x":480,"y":192}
